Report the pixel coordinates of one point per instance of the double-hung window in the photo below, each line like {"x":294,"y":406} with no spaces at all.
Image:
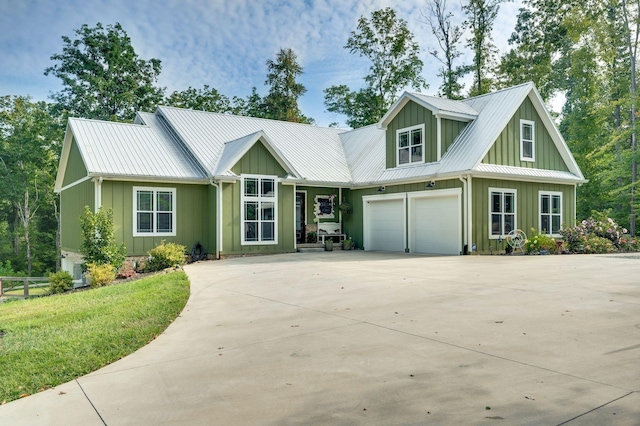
{"x":154,"y":211}
{"x":259,"y":209}
{"x":527,"y":140}
{"x":550,"y":213}
{"x":502,"y":212}
{"x":410,"y":145}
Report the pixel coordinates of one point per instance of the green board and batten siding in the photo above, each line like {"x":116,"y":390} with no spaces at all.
{"x":257,"y":161}
{"x":193,"y":223}
{"x":75,"y":169}
{"x":506,"y":149}
{"x":527,"y":208}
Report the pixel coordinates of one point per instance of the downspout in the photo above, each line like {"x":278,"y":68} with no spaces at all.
{"x":469,"y":212}
{"x":218,"y":188}
{"x":97,"y":196}
{"x":439,"y":136}
{"x":465,"y":210}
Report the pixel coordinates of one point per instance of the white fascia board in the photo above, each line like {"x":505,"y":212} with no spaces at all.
{"x":520,"y":178}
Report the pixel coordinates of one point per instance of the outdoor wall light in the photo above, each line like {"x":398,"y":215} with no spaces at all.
{"x":381,"y":189}
{"x":431,"y":184}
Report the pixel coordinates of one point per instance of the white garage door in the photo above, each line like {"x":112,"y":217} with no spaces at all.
{"x":384,"y":224}
{"x":435,"y":223}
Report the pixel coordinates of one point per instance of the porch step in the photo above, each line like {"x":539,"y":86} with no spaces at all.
{"x":316,"y":247}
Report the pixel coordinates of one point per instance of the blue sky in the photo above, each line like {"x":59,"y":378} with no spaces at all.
{"x":222,"y":43}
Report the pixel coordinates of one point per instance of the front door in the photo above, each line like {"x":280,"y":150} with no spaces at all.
{"x":301,"y":219}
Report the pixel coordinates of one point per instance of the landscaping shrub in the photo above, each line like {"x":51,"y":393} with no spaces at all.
{"x":100,"y":275}
{"x":127,"y":271}
{"x":599,"y":225}
{"x":539,"y":242}
{"x":6,"y":270}
{"x":60,"y":282}
{"x":165,"y":255}
{"x":595,"y":244}
{"x":98,"y":239}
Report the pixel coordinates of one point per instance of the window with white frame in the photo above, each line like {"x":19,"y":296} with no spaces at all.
{"x":550,"y":213}
{"x":527,"y":140}
{"x":502,"y":212}
{"x":410,"y":145}
{"x":154,"y":211}
{"x":259,"y":209}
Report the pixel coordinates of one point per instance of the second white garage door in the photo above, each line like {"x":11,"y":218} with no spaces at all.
{"x":435,"y":222}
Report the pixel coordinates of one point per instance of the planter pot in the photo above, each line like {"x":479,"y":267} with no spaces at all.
{"x":346,"y":245}
{"x":544,"y":251}
{"x":328,"y":245}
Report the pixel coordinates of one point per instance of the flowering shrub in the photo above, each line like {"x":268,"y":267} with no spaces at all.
{"x":595,"y":244}
{"x":100,"y":275}
{"x":165,"y":255}
{"x":539,"y":242}
{"x":600,"y":225}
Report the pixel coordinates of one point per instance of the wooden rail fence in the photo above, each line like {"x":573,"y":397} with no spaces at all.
{"x":4,"y":284}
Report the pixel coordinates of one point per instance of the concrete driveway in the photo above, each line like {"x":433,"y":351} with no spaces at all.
{"x":377,"y":338}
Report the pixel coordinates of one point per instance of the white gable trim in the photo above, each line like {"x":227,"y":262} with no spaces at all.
{"x":404,"y":100}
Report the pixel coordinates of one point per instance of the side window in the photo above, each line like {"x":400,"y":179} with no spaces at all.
{"x":550,"y":206}
{"x":527,"y":140}
{"x":410,"y":145}
{"x":259,"y":210}
{"x":502,"y":212}
{"x":154,"y":211}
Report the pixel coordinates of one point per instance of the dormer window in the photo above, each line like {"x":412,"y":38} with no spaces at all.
{"x":527,"y":140}
{"x":410,"y":145}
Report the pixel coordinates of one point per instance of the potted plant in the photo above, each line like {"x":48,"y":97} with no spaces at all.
{"x":312,"y":237}
{"x":345,"y":208}
{"x":328,"y":244}
{"x":347,"y":243}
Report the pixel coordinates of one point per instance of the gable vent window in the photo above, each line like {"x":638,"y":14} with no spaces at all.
{"x":527,"y":140}
{"x":410,"y":145}
{"x":154,"y":212}
{"x":259,"y":210}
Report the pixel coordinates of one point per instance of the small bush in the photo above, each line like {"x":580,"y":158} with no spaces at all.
{"x":100,"y":275}
{"x":539,"y":242}
{"x":6,"y":270}
{"x":60,"y":282}
{"x":165,"y":255}
{"x":127,"y":271}
{"x":98,"y":239}
{"x":595,"y":244}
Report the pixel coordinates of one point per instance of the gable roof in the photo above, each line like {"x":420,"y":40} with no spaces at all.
{"x":194,"y":146}
{"x":142,"y":152}
{"x":233,"y":151}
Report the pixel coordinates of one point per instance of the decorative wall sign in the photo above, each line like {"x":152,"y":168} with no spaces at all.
{"x":324,"y":206}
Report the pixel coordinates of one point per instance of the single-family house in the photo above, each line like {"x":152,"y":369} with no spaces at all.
{"x":433,"y":176}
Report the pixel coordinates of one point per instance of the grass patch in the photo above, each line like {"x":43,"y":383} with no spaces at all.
{"x":48,"y":341}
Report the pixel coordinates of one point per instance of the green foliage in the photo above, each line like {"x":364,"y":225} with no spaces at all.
{"x":537,"y":242}
{"x":281,"y":103}
{"x":205,"y":99}
{"x":395,"y":64}
{"x":165,"y":255}
{"x":99,"y":244}
{"x":100,"y":274}
{"x":587,"y":235}
{"x":6,"y":270}
{"x":103,"y":77}
{"x":60,"y":282}
{"x":51,"y":340}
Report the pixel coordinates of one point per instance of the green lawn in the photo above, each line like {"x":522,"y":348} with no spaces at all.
{"x":51,"y":340}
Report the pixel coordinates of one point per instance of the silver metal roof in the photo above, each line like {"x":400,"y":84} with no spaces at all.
{"x":185,"y":144}
{"x":314,"y":152}
{"x":121,"y":149}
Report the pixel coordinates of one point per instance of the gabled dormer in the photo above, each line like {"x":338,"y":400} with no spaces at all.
{"x":419,"y":129}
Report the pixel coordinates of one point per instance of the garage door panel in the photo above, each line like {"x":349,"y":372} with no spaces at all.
{"x":385,"y":225}
{"x":435,"y":224}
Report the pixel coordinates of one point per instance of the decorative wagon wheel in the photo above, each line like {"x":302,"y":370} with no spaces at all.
{"x":516,"y":239}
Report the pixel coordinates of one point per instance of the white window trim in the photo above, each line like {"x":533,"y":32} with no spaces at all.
{"x":533,"y":141}
{"x":515,"y":210}
{"x":550,"y":193}
{"x":274,"y":199}
{"x":155,"y":190}
{"x":423,"y":136}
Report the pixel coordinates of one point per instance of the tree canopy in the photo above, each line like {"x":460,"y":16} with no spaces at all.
{"x":103,"y":77}
{"x":386,"y":41}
